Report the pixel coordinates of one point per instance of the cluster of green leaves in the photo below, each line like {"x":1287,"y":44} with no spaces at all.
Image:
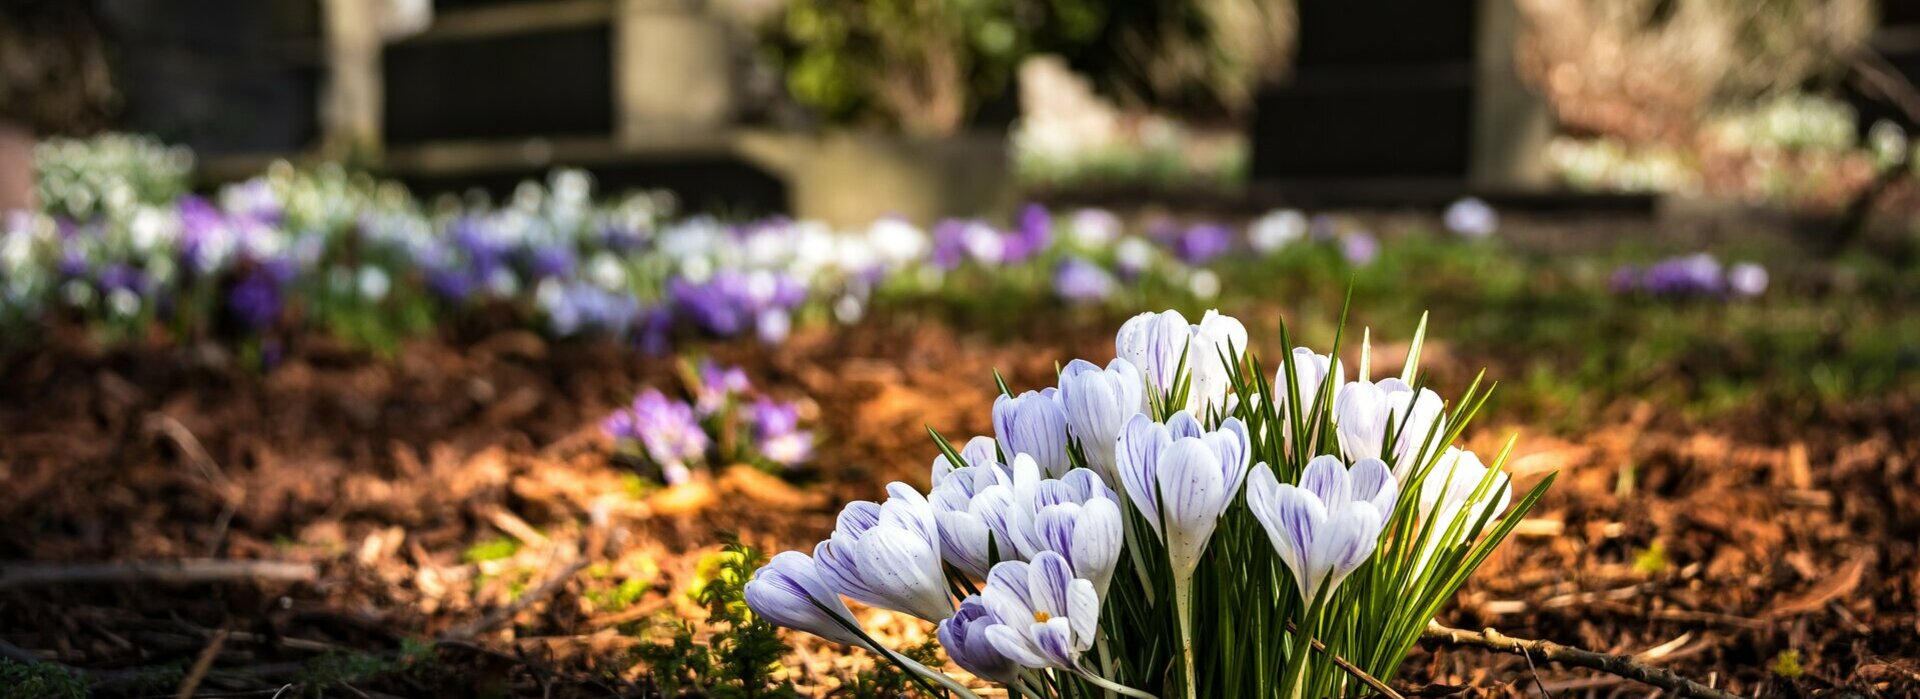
{"x":920,"y":65}
{"x":39,"y":681}
{"x":739,"y":660}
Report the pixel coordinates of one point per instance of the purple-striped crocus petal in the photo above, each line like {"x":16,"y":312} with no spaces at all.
{"x":1350,"y":535}
{"x":788,"y":592}
{"x":858,"y":516}
{"x":1218,"y":342}
{"x":905,"y":571}
{"x":1230,"y":444}
{"x":1033,"y":423}
{"x":1154,"y":343}
{"x":1373,"y":483}
{"x":1089,"y":535}
{"x":1048,"y":576}
{"x":1098,"y":402}
{"x":1360,"y":420}
{"x":1083,"y":612}
{"x":979,"y":452}
{"x":1327,"y":479}
{"x":964,"y":635}
{"x":1006,"y":593}
{"x":1138,"y":461}
{"x":1193,"y":494}
{"x":1054,"y":639}
{"x":837,"y":559}
{"x":1292,"y":518}
{"x":1016,"y":646}
{"x":1183,"y":425}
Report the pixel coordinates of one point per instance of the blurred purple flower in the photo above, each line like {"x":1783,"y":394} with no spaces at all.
{"x":1032,"y":232}
{"x":1201,"y":243}
{"x":664,"y":429}
{"x":777,"y":434}
{"x":1359,"y":248}
{"x":255,"y":300}
{"x":1471,"y":218}
{"x":718,"y":386}
{"x":1080,"y":280}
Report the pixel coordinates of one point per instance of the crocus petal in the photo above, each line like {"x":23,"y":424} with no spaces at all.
{"x":788,"y":592}
{"x":1373,"y":483}
{"x":1016,"y":647}
{"x":1327,"y":479}
{"x":1193,"y":493}
{"x":1138,"y":460}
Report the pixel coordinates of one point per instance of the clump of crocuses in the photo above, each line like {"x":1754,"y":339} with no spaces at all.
{"x":725,"y":421}
{"x":1699,"y":275}
{"x":1182,"y":521}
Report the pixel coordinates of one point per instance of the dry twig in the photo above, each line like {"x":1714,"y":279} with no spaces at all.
{"x":1620,"y":665}
{"x":179,"y":572}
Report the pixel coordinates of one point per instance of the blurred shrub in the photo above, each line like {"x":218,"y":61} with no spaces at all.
{"x":926,"y":66}
{"x":109,"y":174}
{"x":1650,"y":69}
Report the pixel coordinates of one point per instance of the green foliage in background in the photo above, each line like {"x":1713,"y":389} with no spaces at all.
{"x":922,"y":66}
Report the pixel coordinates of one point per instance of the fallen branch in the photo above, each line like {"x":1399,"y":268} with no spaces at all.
{"x":1620,"y":665}
{"x":181,"y":572}
{"x":1367,"y":679}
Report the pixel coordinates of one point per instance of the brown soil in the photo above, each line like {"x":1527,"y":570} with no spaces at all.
{"x":1710,"y":548}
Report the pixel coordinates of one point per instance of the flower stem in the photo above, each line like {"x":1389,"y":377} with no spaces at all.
{"x":935,"y":675}
{"x":1183,"y":607}
{"x":1115,"y":687}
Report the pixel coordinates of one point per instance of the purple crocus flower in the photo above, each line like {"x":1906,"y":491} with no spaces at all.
{"x":777,"y":434}
{"x":718,"y":386}
{"x":950,"y":243}
{"x":1689,"y":275}
{"x":1201,"y":243}
{"x":119,"y":276}
{"x":1032,"y":232}
{"x":581,"y":307}
{"x":256,"y":300}
{"x":664,"y":429}
{"x":1359,"y":248}
{"x":552,"y":261}
{"x":1082,"y":281}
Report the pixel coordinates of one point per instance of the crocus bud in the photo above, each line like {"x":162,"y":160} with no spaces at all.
{"x":788,"y":592}
{"x":1098,"y":403}
{"x":1034,"y":424}
{"x":1328,"y":525}
{"x":888,"y":555}
{"x":1181,"y":479}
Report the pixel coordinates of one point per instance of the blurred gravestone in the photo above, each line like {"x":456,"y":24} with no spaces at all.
{"x":1418,"y":92}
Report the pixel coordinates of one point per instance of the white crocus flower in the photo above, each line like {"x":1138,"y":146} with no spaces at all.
{"x":888,"y":555}
{"x":1047,"y":616}
{"x":1076,"y":516}
{"x":973,"y":506}
{"x":1447,"y":495}
{"x":1328,"y":525}
{"x":1033,"y":423}
{"x":1363,"y":412}
{"x":1098,"y":403}
{"x":1181,"y":478}
{"x":788,"y":591}
{"x":1155,"y":343}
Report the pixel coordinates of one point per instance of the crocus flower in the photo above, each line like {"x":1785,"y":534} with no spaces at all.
{"x":1201,"y":243}
{"x":1080,"y":280}
{"x":255,"y":300}
{"x":665,"y":429}
{"x":1094,"y":228}
{"x":979,"y":451}
{"x":1328,"y":525}
{"x":1098,"y":402}
{"x":1131,"y":257}
{"x":1363,"y":412}
{"x":788,"y":592}
{"x":1359,"y":248}
{"x":1181,"y":478}
{"x":888,"y":555}
{"x":1032,"y":231}
{"x":1276,"y":230}
{"x":1471,"y":218}
{"x":964,"y":636}
{"x":973,"y":506}
{"x":1155,"y":342}
{"x":1034,"y":424}
{"x":1047,"y":617}
{"x":1447,"y":497}
{"x":1747,"y":279}
{"x":718,"y":385}
{"x":1075,"y":516}
{"x":777,"y":434}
